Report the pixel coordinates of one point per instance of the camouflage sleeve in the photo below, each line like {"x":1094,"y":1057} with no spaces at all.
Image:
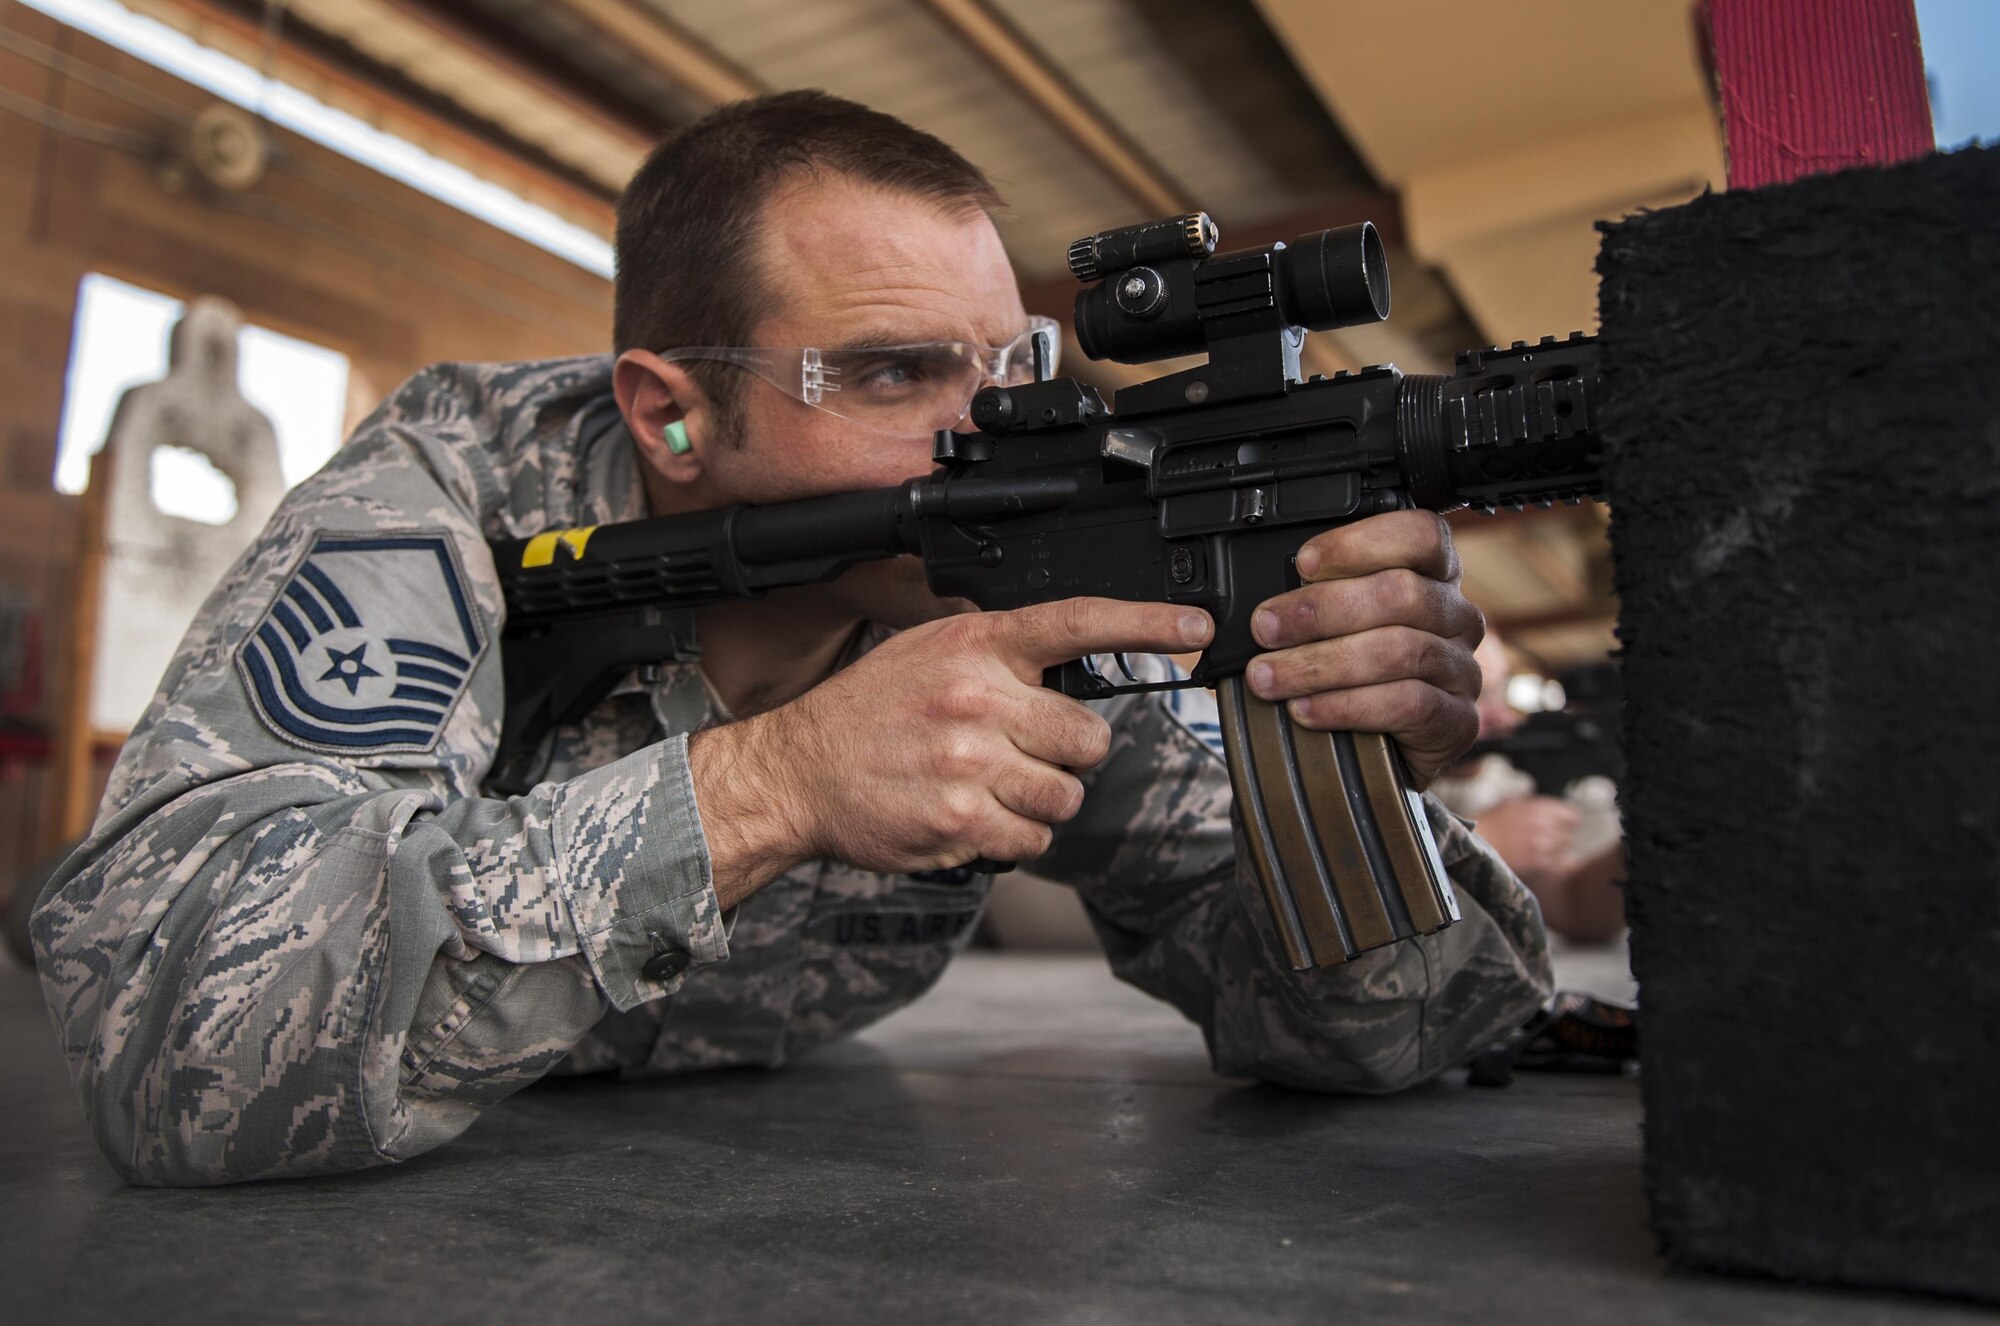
{"x":297,"y":939}
{"x":1155,"y":858}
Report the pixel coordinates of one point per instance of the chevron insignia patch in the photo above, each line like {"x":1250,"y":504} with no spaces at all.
{"x":368,"y":647}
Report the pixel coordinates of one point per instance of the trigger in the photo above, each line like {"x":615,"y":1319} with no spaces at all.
{"x":1080,"y":679}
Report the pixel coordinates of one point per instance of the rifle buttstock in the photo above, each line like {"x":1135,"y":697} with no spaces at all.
{"x":1338,"y":837}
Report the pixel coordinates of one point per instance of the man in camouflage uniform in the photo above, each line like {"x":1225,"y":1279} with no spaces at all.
{"x":300,"y":939}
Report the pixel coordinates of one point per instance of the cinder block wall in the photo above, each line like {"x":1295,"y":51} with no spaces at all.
{"x":321,"y":249}
{"x":1805,"y":494}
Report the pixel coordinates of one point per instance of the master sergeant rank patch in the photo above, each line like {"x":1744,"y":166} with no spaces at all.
{"x":368,"y":647}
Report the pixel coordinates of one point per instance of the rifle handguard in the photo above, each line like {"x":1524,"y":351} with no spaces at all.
{"x":1338,"y":837}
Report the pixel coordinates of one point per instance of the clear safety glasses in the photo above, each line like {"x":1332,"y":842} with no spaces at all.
{"x":908,"y":390}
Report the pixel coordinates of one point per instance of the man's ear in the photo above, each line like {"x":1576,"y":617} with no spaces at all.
{"x":653,"y":395}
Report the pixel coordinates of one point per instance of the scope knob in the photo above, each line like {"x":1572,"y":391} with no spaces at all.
{"x":1141,"y":292}
{"x":1083,"y":260}
{"x":993,"y":410}
{"x":1199,"y":232}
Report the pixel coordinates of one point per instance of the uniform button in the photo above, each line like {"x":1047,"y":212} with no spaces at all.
{"x":666,"y":965}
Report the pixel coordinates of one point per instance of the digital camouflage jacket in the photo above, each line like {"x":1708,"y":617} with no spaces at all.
{"x":299,"y":938}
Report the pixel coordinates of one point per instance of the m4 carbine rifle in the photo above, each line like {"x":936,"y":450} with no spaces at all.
{"x":1198,"y":488}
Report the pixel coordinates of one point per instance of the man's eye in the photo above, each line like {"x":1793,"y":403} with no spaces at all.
{"x":892,"y":371}
{"x":889,"y":376}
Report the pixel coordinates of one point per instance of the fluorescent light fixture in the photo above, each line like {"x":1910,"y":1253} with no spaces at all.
{"x":287,"y":106}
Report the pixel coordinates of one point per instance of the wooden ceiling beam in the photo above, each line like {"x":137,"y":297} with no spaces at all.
{"x":991,"y":36}
{"x":1564,"y":577}
{"x":535,"y":68}
{"x":677,"y":54}
{"x":476,"y":144}
{"x":1385,"y":209}
{"x":1595,"y":169}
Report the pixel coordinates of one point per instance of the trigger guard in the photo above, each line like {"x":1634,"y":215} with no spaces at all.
{"x":1081,"y":679}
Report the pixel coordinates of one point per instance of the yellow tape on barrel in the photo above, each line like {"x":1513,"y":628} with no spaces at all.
{"x":541,"y":550}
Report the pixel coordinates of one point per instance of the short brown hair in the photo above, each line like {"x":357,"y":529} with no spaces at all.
{"x":688,"y":222}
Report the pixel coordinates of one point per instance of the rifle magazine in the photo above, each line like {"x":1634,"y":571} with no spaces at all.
{"x":1337,"y":836}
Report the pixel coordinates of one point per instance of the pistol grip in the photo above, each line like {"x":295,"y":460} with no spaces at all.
{"x":1338,"y":837}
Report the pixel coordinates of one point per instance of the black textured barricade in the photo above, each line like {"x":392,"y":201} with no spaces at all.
{"x":1803,"y":411}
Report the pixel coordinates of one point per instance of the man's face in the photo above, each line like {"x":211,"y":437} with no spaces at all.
{"x":849,"y":263}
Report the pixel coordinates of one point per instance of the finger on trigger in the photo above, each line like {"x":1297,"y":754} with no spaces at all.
{"x":1045,"y":634}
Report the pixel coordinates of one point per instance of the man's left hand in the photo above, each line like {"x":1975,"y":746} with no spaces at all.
{"x":1379,"y":638}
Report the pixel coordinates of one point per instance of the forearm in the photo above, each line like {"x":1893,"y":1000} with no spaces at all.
{"x":291,"y":972}
{"x":1398,"y":1015}
{"x":755,"y":825}
{"x":1386,"y":1020}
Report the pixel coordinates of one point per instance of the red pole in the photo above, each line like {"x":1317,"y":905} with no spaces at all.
{"x":1813,"y":86}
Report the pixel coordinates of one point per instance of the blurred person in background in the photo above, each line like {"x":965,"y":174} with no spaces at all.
{"x":1565,"y":849}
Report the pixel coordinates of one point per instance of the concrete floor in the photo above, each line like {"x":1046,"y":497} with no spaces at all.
{"x":1032,"y":1143}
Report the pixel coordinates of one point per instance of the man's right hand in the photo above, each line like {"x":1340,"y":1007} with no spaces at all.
{"x":937,"y":747}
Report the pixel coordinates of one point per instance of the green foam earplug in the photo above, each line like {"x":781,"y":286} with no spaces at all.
{"x":677,"y":438}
